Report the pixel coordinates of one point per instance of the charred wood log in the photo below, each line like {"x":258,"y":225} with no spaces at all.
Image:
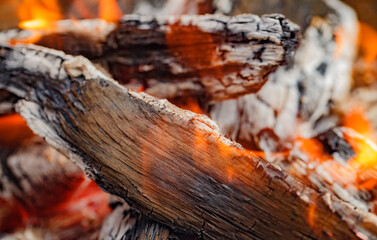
{"x":172,"y":165}
{"x":296,"y":97}
{"x":215,"y":57}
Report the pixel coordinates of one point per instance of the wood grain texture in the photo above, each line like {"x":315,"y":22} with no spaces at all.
{"x":172,"y":165}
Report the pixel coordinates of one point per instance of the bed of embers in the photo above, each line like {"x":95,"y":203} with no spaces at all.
{"x":221,"y":125}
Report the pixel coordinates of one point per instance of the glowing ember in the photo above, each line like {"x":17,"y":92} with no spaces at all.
{"x":87,"y":208}
{"x":312,"y":148}
{"x":13,"y":216}
{"x":359,"y":133}
{"x":13,"y":130}
{"x":191,"y":104}
{"x":361,"y":137}
{"x":311,"y":217}
{"x":360,"y":171}
{"x":34,"y":24}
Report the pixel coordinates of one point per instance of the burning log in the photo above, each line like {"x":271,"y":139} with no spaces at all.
{"x":172,"y":165}
{"x":296,"y":97}
{"x":209,"y":56}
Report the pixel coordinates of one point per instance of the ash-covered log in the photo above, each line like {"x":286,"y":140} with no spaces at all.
{"x":172,"y":165}
{"x":297,"y":96}
{"x":209,"y":56}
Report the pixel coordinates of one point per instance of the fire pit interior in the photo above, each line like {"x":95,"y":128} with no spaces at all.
{"x":188,"y":119}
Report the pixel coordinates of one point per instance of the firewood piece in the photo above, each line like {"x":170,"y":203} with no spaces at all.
{"x":297,"y":96}
{"x":213,"y":56}
{"x":228,"y":57}
{"x":172,"y":165}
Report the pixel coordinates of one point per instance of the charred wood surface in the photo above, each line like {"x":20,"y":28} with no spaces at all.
{"x":296,"y":97}
{"x":210,"y":56}
{"x":172,"y":165}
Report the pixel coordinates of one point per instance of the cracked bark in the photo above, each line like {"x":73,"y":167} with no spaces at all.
{"x":171,"y":164}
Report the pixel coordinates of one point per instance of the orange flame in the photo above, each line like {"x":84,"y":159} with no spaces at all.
{"x":13,"y":130}
{"x":312,"y":148}
{"x":109,"y":10}
{"x":361,"y":170}
{"x":360,"y":135}
{"x":367,"y":40}
{"x":39,"y":14}
{"x":191,"y":104}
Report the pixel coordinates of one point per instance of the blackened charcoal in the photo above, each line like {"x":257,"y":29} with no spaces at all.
{"x":334,"y":143}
